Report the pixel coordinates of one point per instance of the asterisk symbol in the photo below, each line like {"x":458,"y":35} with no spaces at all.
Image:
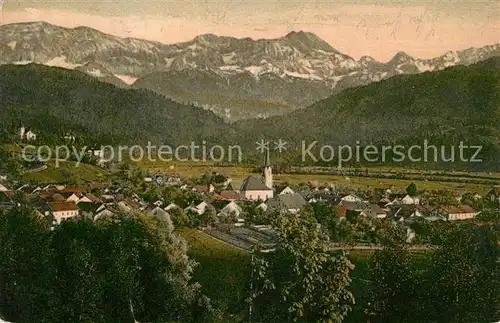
{"x":262,"y":146}
{"x":280,"y":145}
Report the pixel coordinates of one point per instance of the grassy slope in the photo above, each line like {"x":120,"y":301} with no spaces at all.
{"x":223,"y":270}
{"x":67,"y":171}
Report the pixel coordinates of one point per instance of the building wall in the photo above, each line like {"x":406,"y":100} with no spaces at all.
{"x":461,"y":216}
{"x":258,"y":195}
{"x":63,"y":215}
{"x":268,"y":177}
{"x":410,"y":200}
{"x":351,"y":198}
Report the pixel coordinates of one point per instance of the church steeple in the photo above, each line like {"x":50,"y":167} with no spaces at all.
{"x":267,"y":163}
{"x":268,"y":174}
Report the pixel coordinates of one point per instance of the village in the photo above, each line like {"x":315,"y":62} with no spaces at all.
{"x":240,"y":215}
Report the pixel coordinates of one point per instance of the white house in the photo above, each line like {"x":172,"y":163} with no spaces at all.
{"x":95,"y":152}
{"x":204,"y":188}
{"x":351,"y":198}
{"x":287,"y":190}
{"x":410,"y":200}
{"x":171,"y":206}
{"x":422,"y":210}
{"x":292,"y":203}
{"x":22,"y":132}
{"x":69,"y":137}
{"x":410,"y":235}
{"x":85,"y":199}
{"x":63,"y":210}
{"x":159,"y":214}
{"x":201,"y":208}
{"x":262,"y":206}
{"x":158,"y":203}
{"x":463,"y":212}
{"x":253,"y":188}
{"x":74,"y":198}
{"x":231,"y":207}
{"x":104,"y":211}
{"x":30,"y":135}
{"x":375,"y":211}
{"x":124,"y":206}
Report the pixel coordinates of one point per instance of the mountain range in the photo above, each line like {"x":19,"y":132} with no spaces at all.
{"x":235,"y":78}
{"x":458,"y":104}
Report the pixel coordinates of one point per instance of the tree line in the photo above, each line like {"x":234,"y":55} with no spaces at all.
{"x":134,"y":267}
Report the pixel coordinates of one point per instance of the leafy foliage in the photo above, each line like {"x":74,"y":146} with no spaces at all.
{"x":411,"y":190}
{"x":301,"y":280}
{"x":457,"y":282}
{"x":119,"y":269}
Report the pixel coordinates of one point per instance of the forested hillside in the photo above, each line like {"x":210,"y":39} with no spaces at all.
{"x":445,"y":108}
{"x":41,"y":95}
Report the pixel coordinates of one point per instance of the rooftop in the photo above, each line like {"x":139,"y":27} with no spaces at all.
{"x":63,"y":206}
{"x":254,"y":183}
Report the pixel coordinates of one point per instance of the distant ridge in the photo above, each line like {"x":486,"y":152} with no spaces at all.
{"x":235,"y":78}
{"x":458,"y":104}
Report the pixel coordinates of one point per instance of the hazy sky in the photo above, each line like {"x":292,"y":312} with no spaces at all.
{"x":377,"y":28}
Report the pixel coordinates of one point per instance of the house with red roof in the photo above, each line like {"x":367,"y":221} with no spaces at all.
{"x":230,"y":195}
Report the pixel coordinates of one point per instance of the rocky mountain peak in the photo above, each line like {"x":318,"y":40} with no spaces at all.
{"x":401,"y":58}
{"x":276,"y":71}
{"x":206,"y":38}
{"x":304,"y":39}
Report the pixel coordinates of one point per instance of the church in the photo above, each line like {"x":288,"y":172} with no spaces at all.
{"x":259,"y":188}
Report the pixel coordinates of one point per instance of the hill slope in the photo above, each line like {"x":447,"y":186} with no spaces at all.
{"x":446,"y":107}
{"x":51,"y":95}
{"x":236,"y":78}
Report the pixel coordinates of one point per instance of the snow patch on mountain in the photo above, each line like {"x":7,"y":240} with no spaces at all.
{"x":303,"y":76}
{"x":229,"y":58}
{"x":169,"y":62}
{"x":126,"y":78}
{"x":12,"y":44}
{"x":298,"y":63}
{"x":423,"y":67}
{"x":255,"y":70}
{"x":230,"y":68}
{"x":22,"y":62}
{"x":60,"y":61}
{"x":95,"y":72}
{"x":451,"y":57}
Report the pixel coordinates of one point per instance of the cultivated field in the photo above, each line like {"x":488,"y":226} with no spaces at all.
{"x":67,"y":171}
